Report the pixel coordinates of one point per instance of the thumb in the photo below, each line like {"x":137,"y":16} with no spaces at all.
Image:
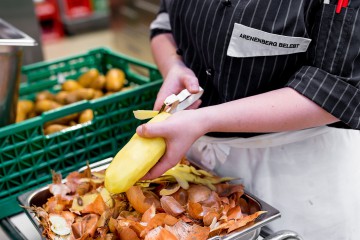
{"x":150,"y":130}
{"x":191,"y":83}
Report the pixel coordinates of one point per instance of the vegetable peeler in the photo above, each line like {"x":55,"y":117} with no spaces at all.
{"x":181,"y":101}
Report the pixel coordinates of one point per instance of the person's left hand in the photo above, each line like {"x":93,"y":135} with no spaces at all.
{"x":180,"y":131}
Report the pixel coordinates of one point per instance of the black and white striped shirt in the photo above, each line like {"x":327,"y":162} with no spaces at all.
{"x":327,"y":71}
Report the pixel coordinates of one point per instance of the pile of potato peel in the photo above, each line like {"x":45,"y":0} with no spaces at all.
{"x":81,"y":208}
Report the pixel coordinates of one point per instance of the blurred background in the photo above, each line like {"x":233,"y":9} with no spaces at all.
{"x":67,"y":27}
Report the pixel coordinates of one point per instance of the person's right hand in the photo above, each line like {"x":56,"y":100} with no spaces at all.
{"x":179,"y":131}
{"x":178,"y":78}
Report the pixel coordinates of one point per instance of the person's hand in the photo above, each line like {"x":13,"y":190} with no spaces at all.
{"x":180,"y":131}
{"x":178,"y":78}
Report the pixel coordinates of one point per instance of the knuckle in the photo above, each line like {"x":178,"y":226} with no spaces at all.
{"x":145,"y":130}
{"x":189,"y":79}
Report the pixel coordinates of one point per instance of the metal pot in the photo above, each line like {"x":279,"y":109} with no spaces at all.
{"x":11,"y":42}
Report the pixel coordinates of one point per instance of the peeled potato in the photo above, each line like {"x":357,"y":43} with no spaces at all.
{"x":88,"y":77}
{"x":115,"y":80}
{"x":138,"y":156}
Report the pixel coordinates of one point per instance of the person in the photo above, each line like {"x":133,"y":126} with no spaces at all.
{"x":281,"y":103}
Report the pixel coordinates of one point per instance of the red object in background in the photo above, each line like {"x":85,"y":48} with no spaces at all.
{"x":77,"y":8}
{"x":48,"y":14}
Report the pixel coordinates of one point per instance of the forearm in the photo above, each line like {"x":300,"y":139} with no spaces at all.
{"x":275,"y":111}
{"x":163,"y":49}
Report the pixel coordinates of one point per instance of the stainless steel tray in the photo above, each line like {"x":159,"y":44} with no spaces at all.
{"x":39,"y":197}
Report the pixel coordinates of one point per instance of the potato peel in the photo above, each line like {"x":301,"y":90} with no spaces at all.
{"x":145,"y":114}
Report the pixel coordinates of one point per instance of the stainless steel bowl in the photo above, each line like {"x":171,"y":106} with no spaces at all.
{"x":40,"y":196}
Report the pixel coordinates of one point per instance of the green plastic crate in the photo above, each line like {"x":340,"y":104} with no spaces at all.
{"x":27,"y":155}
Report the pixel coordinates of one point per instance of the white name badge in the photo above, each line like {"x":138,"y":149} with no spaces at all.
{"x":250,"y":42}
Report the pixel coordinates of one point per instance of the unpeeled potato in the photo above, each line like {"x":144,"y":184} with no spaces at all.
{"x":63,"y":120}
{"x":88,"y":77}
{"x":71,"y":98}
{"x":90,"y":85}
{"x":70,"y":86}
{"x":86,"y":116}
{"x":54,"y":128}
{"x":46,"y":105}
{"x":60,"y":97}
{"x":98,"y":94}
{"x":115,"y":80}
{"x":44,"y":95}
{"x":31,"y":114}
{"x":20,"y":115}
{"x":109,"y":93}
{"x":26,"y":105}
{"x":85,"y":93}
{"x":127,"y":88}
{"x":23,"y":109}
{"x":72,"y":123}
{"x":80,"y":94}
{"x":98,"y":83}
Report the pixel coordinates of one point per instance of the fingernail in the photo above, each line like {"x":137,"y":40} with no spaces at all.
{"x":194,"y":88}
{"x":139,"y":130}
